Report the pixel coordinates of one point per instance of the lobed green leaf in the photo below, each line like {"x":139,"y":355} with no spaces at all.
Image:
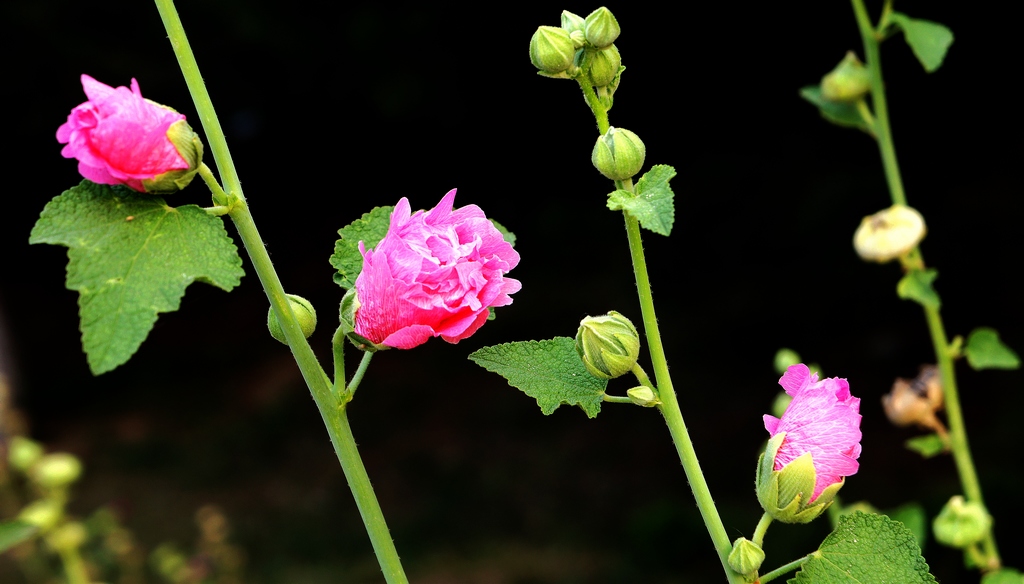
{"x":131,"y":256}
{"x":839,"y":113}
{"x":370,"y":229}
{"x":916,"y":285}
{"x":985,"y":350}
{"x":549,"y":371}
{"x":928,"y":40}
{"x":866,"y":548}
{"x":652,"y":200}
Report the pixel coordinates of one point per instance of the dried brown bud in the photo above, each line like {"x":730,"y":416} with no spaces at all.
{"x":915,"y":401}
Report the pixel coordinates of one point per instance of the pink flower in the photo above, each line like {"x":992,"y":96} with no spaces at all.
{"x":823,"y":419}
{"x":119,"y":138}
{"x":435,"y":273}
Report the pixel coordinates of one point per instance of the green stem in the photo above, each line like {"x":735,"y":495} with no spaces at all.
{"x":600,"y":114}
{"x":332,"y":412}
{"x":338,"y":350}
{"x":957,"y":429}
{"x":762,"y":527}
{"x":219,"y":196}
{"x":642,"y":377}
{"x":74,"y":567}
{"x":783,"y":570}
{"x":669,"y":405}
{"x":616,"y":399}
{"x":357,"y":377}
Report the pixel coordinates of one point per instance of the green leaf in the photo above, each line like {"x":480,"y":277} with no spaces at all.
{"x":549,"y":371}
{"x":866,"y":548}
{"x":912,"y":516}
{"x":370,"y":229}
{"x":929,"y":40}
{"x":927,"y":446}
{"x":651,"y":201}
{"x":508,"y":235}
{"x":14,"y":532}
{"x":984,"y":350}
{"x":131,"y":256}
{"x":916,"y":285}
{"x":839,"y":113}
{"x":1004,"y":576}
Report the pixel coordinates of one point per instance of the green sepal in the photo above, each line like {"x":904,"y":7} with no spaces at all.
{"x":370,"y":229}
{"x":985,"y":350}
{"x":916,"y":285}
{"x":928,"y":40}
{"x":652,"y":200}
{"x":927,"y":446}
{"x":347,"y":317}
{"x":839,"y":113}
{"x":784,"y":494}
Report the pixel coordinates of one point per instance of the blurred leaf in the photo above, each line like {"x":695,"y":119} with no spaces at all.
{"x":370,"y":229}
{"x":912,"y":515}
{"x":508,"y":235}
{"x":928,"y":40}
{"x":550,"y":371}
{"x":865,"y":548}
{"x":14,"y":532}
{"x":840,"y":114}
{"x":927,"y":446}
{"x":916,"y":285}
{"x":1004,"y":576}
{"x":984,"y":350}
{"x":651,"y":202}
{"x":130,"y":257}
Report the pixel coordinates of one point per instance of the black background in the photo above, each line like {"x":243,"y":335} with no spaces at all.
{"x":332,"y":110}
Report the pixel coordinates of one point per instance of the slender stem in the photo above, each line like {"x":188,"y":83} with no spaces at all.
{"x":74,"y":567}
{"x":943,"y":354}
{"x":784,"y":569}
{"x":600,"y":113}
{"x":616,"y":399}
{"x":642,"y":377}
{"x":357,"y":377}
{"x":762,"y":527}
{"x":332,"y":412}
{"x":219,"y":196}
{"x":338,"y":349}
{"x":217,"y":211}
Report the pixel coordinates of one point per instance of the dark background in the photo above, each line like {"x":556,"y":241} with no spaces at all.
{"x":332,"y":110}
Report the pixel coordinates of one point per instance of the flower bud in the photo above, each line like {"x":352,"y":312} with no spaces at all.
{"x":746,"y":557}
{"x":961,"y":523}
{"x":785,"y":494}
{"x":43,"y":513}
{"x":609,"y":345}
{"x":56,"y":470}
{"x":601,"y":28}
{"x":190,"y":147}
{"x":69,"y":536}
{"x":643,"y":396}
{"x":22,"y":453}
{"x":618,"y":154}
{"x":889,"y":234}
{"x":848,"y":82}
{"x":551,"y":49}
{"x":601,"y":65}
{"x":572,"y":22}
{"x":304,"y":314}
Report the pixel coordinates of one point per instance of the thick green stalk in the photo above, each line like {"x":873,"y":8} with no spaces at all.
{"x":320,"y":386}
{"x":957,"y":429}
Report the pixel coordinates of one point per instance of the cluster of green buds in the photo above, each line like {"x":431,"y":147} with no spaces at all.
{"x":581,"y":48}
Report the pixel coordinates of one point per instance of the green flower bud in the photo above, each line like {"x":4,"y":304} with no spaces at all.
{"x":188,"y":145}
{"x":784,"y":358}
{"x":56,"y":470}
{"x":304,"y":314}
{"x":69,"y":536}
{"x":746,"y":558}
{"x":349,"y":305}
{"x":578,"y":39}
{"x":22,"y":453}
{"x":961,"y":523}
{"x":889,"y":234}
{"x":551,"y":49}
{"x":609,"y":345}
{"x":848,"y":82}
{"x":601,"y":28}
{"x":572,"y":22}
{"x":44,"y":513}
{"x":780,"y":403}
{"x":784,"y":494}
{"x":618,"y":154}
{"x":601,"y":65}
{"x":643,"y":396}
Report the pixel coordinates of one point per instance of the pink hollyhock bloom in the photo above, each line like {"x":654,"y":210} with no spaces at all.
{"x":119,"y":138}
{"x":434,"y":274}
{"x":823,"y":419}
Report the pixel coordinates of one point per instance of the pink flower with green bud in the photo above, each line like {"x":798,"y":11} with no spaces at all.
{"x":120,"y":138}
{"x":435,"y":273}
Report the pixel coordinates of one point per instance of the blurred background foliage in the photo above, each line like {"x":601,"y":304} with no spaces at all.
{"x":331,"y":109}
